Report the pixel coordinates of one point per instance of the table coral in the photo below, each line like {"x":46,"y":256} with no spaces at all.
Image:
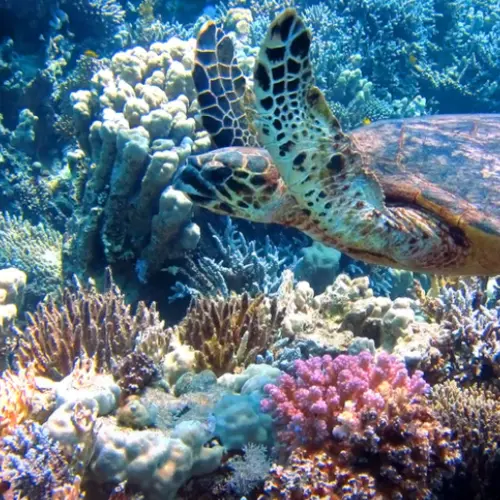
{"x":365,"y":423}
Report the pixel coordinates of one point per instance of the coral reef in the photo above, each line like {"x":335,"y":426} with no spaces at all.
{"x":368,"y":424}
{"x":154,"y":461}
{"x":16,"y":393}
{"x":134,"y":372}
{"x":377,"y":59}
{"x":469,"y":334}
{"x":229,"y":262}
{"x":249,"y":471}
{"x":32,"y":466}
{"x":473,"y":414}
{"x":87,"y":323}
{"x":12,"y":286}
{"x":347,"y":316}
{"x":239,"y":421}
{"x":136,"y":125}
{"x":35,"y":250}
{"x":228,"y":333}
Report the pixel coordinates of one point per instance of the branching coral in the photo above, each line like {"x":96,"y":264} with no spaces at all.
{"x":469,"y":339}
{"x":366,"y":421}
{"x":33,"y":466}
{"x":229,"y":333}
{"x":86,"y":323}
{"x":229,"y":262}
{"x":473,"y":414}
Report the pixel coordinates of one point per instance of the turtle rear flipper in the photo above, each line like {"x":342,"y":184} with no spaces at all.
{"x":221,"y":88}
{"x":296,"y":126}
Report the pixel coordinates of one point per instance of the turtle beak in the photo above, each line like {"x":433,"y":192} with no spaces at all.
{"x":191,"y":182}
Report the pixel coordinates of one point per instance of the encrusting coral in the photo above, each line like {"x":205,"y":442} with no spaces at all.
{"x":87,"y":323}
{"x":229,"y":333}
{"x":357,"y":425}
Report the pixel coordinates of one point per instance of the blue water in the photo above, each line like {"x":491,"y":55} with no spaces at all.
{"x":101,"y":133}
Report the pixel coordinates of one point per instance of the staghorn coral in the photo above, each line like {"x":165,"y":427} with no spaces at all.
{"x":86,"y":323}
{"x":16,"y":393}
{"x":33,"y":466}
{"x":365,"y":423}
{"x":229,"y":333}
{"x":473,"y":414}
{"x":36,"y":250}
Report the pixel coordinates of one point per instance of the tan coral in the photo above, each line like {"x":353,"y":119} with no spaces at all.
{"x":87,"y":323}
{"x":229,"y":333}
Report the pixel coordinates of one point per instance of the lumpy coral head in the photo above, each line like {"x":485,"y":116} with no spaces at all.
{"x":329,"y":397}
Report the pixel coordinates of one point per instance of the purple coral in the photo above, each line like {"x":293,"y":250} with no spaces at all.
{"x":333,"y":397}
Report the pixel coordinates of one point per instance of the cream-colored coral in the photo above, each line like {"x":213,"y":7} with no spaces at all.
{"x":73,"y":426}
{"x":84,"y":383}
{"x":153,"y":461}
{"x":144,"y":128}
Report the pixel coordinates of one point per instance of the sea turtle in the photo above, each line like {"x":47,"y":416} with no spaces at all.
{"x":421,"y":194}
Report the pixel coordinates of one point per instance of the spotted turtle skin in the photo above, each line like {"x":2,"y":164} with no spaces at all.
{"x":421,"y":194}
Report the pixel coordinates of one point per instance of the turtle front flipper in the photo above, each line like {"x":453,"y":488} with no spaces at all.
{"x":221,"y":88}
{"x":315,"y":158}
{"x":241,"y":182}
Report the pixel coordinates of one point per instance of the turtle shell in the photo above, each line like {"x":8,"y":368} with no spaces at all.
{"x":449,"y":164}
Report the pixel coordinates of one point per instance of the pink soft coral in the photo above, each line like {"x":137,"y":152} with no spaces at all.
{"x":329,"y":396}
{"x":357,"y":427}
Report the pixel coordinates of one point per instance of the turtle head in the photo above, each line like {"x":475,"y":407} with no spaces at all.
{"x":237,"y":181}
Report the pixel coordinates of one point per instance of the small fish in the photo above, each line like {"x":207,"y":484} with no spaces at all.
{"x":91,"y":53}
{"x":366,"y":121}
{"x":412,"y":58}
